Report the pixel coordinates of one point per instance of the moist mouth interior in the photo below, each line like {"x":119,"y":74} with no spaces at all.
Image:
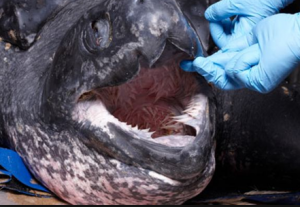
{"x":156,"y":100}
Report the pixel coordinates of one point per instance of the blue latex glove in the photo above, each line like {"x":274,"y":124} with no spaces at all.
{"x":248,"y":13}
{"x":271,"y":52}
{"x":213,"y":69}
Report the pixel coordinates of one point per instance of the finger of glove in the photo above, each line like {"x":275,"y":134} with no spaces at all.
{"x":222,"y":59}
{"x":225,"y":9}
{"x":241,"y":43}
{"x":215,"y":74}
{"x":187,"y":65}
{"x":218,"y":58}
{"x":221,"y":32}
{"x":243,"y":61}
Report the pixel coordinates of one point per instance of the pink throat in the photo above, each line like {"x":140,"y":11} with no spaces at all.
{"x":152,"y":99}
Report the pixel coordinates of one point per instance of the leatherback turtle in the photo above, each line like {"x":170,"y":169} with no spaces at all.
{"x":98,"y":108}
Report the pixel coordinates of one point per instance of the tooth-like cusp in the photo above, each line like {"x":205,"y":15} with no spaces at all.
{"x":188,"y":120}
{"x":183,"y":118}
{"x":146,"y":130}
{"x":94,"y":113}
{"x":194,"y":113}
{"x":193,"y":109}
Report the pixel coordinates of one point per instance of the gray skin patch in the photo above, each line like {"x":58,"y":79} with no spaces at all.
{"x":37,"y":118}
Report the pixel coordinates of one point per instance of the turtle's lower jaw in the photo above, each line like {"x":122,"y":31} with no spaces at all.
{"x":159,"y":120}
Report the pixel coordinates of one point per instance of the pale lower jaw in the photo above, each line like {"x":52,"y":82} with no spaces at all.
{"x":95,"y":113}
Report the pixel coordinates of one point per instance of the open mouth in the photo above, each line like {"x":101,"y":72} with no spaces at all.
{"x":162,"y":103}
{"x":153,"y":100}
{"x":159,"y":120}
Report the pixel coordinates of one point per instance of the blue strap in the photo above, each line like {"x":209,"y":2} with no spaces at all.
{"x":14,"y":166}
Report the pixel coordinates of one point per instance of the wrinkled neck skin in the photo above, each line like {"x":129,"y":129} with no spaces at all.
{"x":55,"y":153}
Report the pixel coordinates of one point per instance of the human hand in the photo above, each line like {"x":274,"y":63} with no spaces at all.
{"x":268,"y":54}
{"x":248,"y":13}
{"x":212,"y":69}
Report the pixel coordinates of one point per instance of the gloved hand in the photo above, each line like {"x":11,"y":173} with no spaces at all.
{"x":248,"y":13}
{"x":213,"y":69}
{"x":271,"y":52}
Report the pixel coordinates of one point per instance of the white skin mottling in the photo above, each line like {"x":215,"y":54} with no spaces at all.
{"x":141,"y":26}
{"x":164,"y":179}
{"x":134,"y":30}
{"x":157,"y":27}
{"x":108,"y":172}
{"x":88,"y":64}
{"x":117,"y":164}
{"x":105,"y":176}
{"x":108,"y":63}
{"x":55,"y":165}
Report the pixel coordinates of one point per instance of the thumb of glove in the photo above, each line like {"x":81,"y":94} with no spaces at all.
{"x":206,"y":68}
{"x":187,"y":65}
{"x":203,"y":66}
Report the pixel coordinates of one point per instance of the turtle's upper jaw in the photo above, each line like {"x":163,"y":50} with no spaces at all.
{"x":159,"y":120}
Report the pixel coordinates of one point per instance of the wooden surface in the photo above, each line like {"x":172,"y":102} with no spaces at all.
{"x":14,"y":199}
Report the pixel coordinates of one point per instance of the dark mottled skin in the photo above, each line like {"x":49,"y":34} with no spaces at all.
{"x":21,"y":20}
{"x":79,"y":66}
{"x":42,"y":85}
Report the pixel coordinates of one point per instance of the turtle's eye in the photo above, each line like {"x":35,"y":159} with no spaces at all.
{"x":99,"y":34}
{"x":102,"y":32}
